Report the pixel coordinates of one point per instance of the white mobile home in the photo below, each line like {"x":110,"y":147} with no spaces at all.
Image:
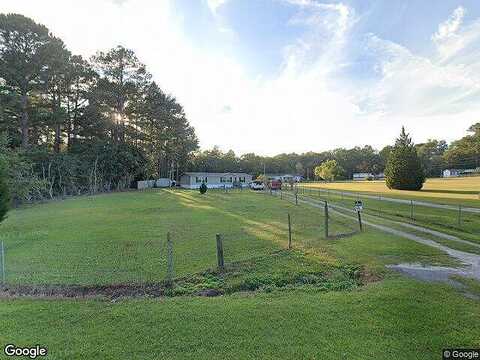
{"x":193,"y":180}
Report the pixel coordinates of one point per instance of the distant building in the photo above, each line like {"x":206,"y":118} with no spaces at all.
{"x":450,"y":173}
{"x":193,"y":180}
{"x":286,"y":178}
{"x":367,"y":176}
{"x":159,"y":183}
{"x":459,"y":172}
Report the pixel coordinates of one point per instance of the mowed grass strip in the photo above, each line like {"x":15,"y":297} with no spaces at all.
{"x":120,"y":238}
{"x":394,"y":319}
{"x":455,"y":191}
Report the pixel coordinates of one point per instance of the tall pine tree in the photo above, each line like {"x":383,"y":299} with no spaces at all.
{"x":404,"y":170}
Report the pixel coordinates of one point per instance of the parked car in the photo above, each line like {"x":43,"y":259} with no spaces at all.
{"x":257,"y":185}
{"x":275,"y":185}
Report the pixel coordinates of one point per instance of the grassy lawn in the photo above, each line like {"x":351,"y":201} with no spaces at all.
{"x":394,"y":319}
{"x":325,"y":299}
{"x":120,"y":238}
{"x":447,"y":191}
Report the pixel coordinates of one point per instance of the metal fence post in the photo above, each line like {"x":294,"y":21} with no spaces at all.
{"x":289,"y":233}
{"x":169,"y":260}
{"x":326,"y":220}
{"x":411,"y":210}
{"x":296,"y":199}
{"x":220,"y":260}
{"x":459,"y":215}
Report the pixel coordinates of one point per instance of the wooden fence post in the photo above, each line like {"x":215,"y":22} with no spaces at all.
{"x":360,"y":220}
{"x":220,"y":260}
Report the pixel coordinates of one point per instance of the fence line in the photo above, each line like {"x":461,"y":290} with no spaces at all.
{"x":380,"y":197}
{"x":453,"y":218}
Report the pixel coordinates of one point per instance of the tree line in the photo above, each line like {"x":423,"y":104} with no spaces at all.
{"x":341,"y":163}
{"x":71,"y":125}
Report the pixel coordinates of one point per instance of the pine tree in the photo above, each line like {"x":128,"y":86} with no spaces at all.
{"x":404,"y":170}
{"x":4,"y":193}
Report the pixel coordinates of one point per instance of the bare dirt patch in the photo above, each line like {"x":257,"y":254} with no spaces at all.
{"x":75,"y":291}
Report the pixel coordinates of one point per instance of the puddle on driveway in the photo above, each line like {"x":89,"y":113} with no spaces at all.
{"x":438,"y":274}
{"x":429,"y":273}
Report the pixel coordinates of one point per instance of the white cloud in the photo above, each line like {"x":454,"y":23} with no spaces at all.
{"x":214,"y":5}
{"x":448,"y":28}
{"x":447,"y":39}
{"x":417,"y":86}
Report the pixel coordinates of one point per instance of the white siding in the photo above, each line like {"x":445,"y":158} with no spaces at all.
{"x":214,"y":180}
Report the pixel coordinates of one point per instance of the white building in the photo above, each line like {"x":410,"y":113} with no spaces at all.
{"x":366,"y":176}
{"x":362,"y":176}
{"x":159,"y":183}
{"x":193,"y":180}
{"x":286,"y":178}
{"x":459,"y":172}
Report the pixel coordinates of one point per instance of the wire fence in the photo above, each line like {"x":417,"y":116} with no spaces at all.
{"x":334,"y":225}
{"x":459,"y":218}
{"x":178,"y":253}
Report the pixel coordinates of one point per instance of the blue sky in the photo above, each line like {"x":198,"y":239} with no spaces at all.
{"x":274,"y":76}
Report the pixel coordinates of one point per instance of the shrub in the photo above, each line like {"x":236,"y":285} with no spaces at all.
{"x":203,"y":188}
{"x":404,"y":170}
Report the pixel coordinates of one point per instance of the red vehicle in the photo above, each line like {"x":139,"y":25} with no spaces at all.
{"x":275,"y":185}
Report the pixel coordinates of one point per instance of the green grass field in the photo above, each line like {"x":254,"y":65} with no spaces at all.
{"x":325,"y":299}
{"x":394,"y":319}
{"x":120,"y":238}
{"x":446,"y":190}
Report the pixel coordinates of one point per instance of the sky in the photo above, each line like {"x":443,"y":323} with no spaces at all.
{"x":275,"y":76}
